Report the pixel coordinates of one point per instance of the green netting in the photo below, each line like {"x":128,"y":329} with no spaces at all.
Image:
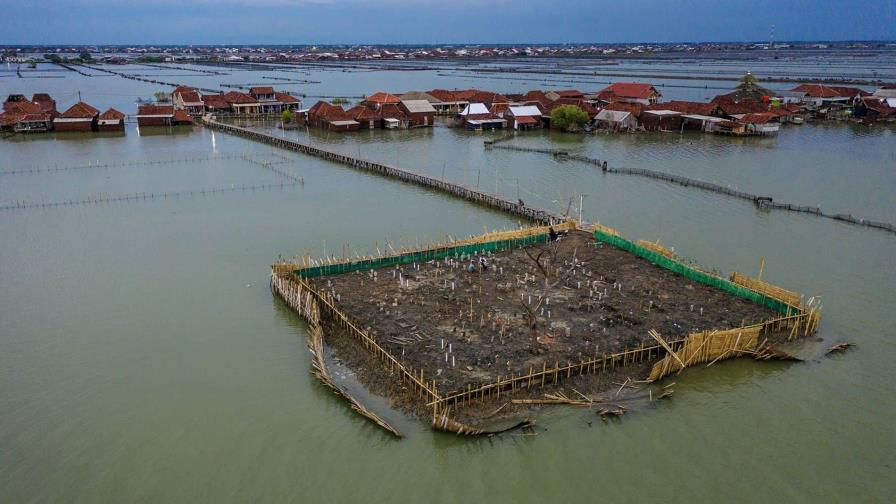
{"x":695,"y":274}
{"x":460,"y":252}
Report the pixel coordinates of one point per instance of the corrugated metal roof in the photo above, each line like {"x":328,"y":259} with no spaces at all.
{"x":475,"y":109}
{"x":612,"y":115}
{"x":417,"y":106}
{"x":526,"y":110}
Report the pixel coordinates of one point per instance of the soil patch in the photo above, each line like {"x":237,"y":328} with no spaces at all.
{"x":565,"y":301}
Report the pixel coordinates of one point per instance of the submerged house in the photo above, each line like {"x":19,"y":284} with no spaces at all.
{"x":162,"y":115}
{"x":79,"y":117}
{"x":188,"y":99}
{"x":523,"y":117}
{"x":661,"y":119}
{"x":418,"y":112}
{"x":111,"y":121}
{"x":476,"y":116}
{"x":448,"y":101}
{"x":616,"y":120}
{"x":331,"y":118}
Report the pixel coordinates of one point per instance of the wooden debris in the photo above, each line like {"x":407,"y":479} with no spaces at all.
{"x":839,"y":347}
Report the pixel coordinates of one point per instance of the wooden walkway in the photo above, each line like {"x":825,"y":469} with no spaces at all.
{"x":489,"y":200}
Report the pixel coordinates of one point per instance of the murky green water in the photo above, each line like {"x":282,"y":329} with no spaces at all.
{"x":143,"y":358}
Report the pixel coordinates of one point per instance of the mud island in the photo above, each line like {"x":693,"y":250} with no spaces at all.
{"x":544,"y":315}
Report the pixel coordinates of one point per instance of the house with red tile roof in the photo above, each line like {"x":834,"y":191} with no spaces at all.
{"x":110,"y":121}
{"x":79,"y":117}
{"x":241,"y":103}
{"x":366,"y":116}
{"x":448,"y":101}
{"x":378,"y":99}
{"x":215,"y":103}
{"x":46,"y":103}
{"x":819,"y":94}
{"x":629,"y":92}
{"x":331,"y":117}
{"x":188,"y":99}
{"x":162,"y":115}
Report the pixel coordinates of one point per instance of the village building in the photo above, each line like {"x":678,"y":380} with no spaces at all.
{"x":661,"y":120}
{"x":820,"y":95}
{"x":448,"y":101}
{"x":616,"y":120}
{"x":629,"y":92}
{"x":288,"y":101}
{"x":331,"y":118}
{"x":188,"y":99}
{"x":761,"y":124}
{"x":476,"y":116}
{"x":266,"y":99}
{"x":875,"y":108}
{"x":162,"y":115}
{"x":46,"y":102}
{"x":393,"y":116}
{"x":367,"y":118}
{"x":34,"y":123}
{"x":379,"y":99}
{"x":79,"y":117}
{"x":523,"y":117}
{"x":419,"y":112}
{"x":111,"y":121}
{"x":241,"y":103}
{"x":215,"y":103}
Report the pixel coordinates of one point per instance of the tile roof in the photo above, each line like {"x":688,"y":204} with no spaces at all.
{"x":258,"y":90}
{"x":362,"y":113}
{"x":328,"y":112}
{"x":111,"y":114}
{"x":633,"y":108}
{"x":285,"y":98}
{"x":443,"y":95}
{"x":238,"y":98}
{"x":215,"y":101}
{"x":685,"y":107}
{"x":22,"y":107}
{"x":488,"y":97}
{"x":382,"y":98}
{"x":418,"y":106}
{"x":822,"y":91}
{"x":420,"y":95}
{"x":182,"y":116}
{"x":154,"y":110}
{"x":9,"y":117}
{"x":80,"y":110}
{"x":758,"y":118}
{"x":630,"y":90}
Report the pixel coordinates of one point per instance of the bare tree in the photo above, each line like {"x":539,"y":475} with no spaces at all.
{"x":545,"y":262}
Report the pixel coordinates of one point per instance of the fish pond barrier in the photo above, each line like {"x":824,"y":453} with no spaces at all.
{"x":762,"y":202}
{"x":469,"y":194}
{"x":293,"y":281}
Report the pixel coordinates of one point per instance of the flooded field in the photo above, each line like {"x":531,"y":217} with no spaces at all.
{"x":143,"y":356}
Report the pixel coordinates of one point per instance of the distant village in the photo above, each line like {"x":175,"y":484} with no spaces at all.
{"x":748,"y":110}
{"x":128,"y":54}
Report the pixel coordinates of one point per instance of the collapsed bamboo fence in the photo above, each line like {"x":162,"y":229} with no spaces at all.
{"x":802,"y":321}
{"x":469,"y":194}
{"x":305,"y":303}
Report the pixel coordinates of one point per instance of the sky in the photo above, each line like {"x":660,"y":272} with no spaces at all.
{"x":236,"y":22}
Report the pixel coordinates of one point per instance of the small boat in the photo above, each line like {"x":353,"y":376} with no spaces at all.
{"x":797,"y":120}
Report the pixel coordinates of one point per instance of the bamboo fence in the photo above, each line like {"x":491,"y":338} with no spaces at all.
{"x":668,"y":356}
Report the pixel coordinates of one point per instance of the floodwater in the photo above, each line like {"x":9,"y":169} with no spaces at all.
{"x":143,"y":357}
